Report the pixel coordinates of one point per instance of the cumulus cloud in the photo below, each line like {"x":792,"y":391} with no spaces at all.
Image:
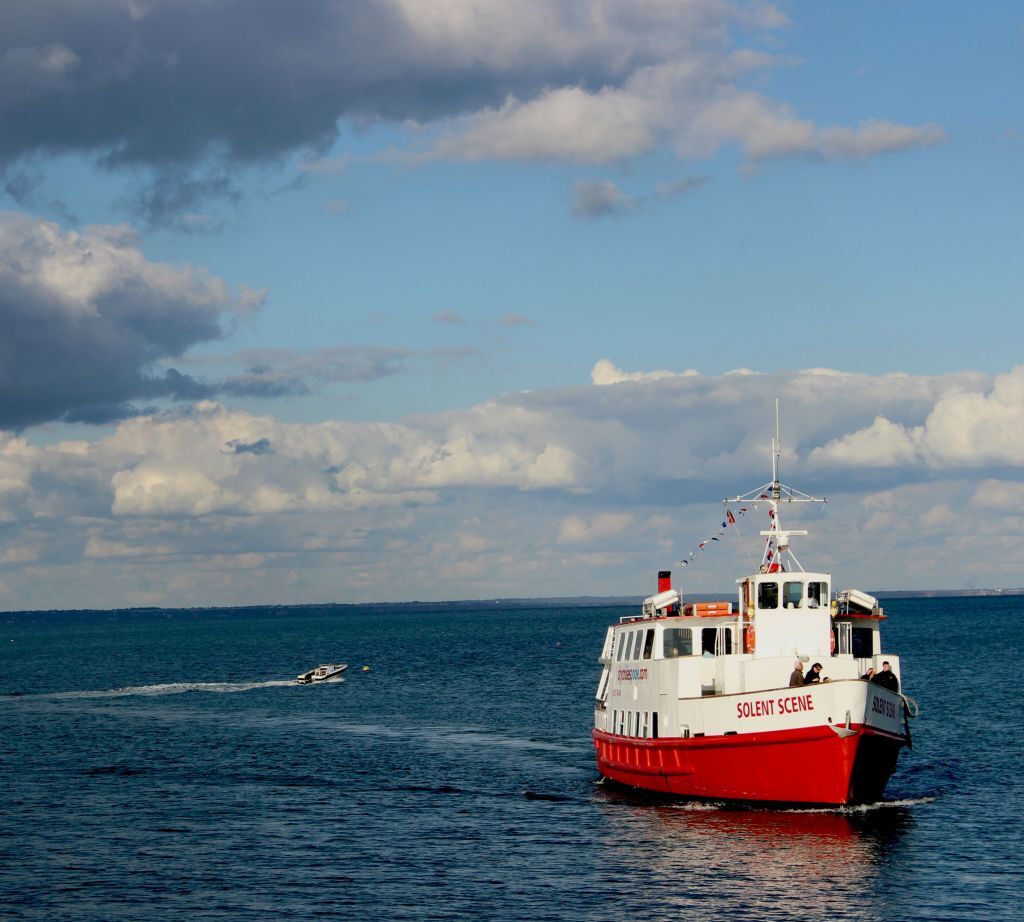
{"x":566,"y":491}
{"x":545,"y":79}
{"x":605,"y":372}
{"x":108,"y":76}
{"x":966,"y":427}
{"x":694,"y":103}
{"x":85,"y":317}
{"x":94,"y":332}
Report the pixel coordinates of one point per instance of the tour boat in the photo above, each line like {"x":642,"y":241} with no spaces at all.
{"x":322,"y":673}
{"x":696,"y":699}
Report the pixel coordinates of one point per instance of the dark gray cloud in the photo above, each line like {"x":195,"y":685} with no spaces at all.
{"x":332,"y":363}
{"x":259,"y":447}
{"x":85,"y":318}
{"x":173,"y":198}
{"x":158,"y":83}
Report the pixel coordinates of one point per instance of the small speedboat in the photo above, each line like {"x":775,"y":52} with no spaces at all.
{"x":323,"y":673}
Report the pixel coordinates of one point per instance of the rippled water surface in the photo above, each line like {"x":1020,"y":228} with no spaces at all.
{"x":162,"y":764}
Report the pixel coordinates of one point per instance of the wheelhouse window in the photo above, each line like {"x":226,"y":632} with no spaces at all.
{"x":792,"y":594}
{"x":716,"y":641}
{"x":649,"y":643}
{"x":622,"y":638}
{"x":767,"y":595}
{"x":817,"y":594}
{"x":677,"y":641}
{"x":863,"y":642}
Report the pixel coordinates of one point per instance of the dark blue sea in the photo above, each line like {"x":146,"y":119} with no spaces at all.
{"x":162,"y":764}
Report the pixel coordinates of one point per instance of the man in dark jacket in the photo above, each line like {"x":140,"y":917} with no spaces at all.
{"x":796,"y":677}
{"x":887,"y":678}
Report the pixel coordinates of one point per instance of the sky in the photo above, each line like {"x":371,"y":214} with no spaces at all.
{"x":444,"y":299}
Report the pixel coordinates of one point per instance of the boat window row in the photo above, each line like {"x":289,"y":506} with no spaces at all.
{"x":643,"y":724}
{"x":679,"y":641}
{"x":792,"y":594}
{"x":635,"y":644}
{"x":675,"y":642}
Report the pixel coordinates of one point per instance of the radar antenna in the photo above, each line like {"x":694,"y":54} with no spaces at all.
{"x":773,"y":493}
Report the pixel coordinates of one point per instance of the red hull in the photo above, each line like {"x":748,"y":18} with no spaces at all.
{"x":810,"y":765}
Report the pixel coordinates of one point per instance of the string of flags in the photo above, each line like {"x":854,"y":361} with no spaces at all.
{"x":730,"y":519}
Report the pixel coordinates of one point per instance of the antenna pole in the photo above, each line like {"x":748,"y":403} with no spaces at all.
{"x":776,"y":451}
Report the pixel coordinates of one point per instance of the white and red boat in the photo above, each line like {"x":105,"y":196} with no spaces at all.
{"x":695,"y":699}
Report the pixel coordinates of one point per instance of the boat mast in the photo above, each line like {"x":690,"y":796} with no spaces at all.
{"x":773,"y":493}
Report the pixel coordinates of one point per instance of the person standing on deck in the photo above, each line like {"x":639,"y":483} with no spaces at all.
{"x":796,"y":677}
{"x":887,"y":678}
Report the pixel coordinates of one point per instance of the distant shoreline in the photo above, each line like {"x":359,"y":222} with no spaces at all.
{"x":514,"y":603}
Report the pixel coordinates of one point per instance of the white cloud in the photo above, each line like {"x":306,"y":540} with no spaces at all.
{"x":563,"y":124}
{"x":966,"y":427}
{"x":574,"y":529}
{"x":882,"y":444}
{"x":605,"y":372}
{"x":548,"y":493}
{"x":767,"y":129}
{"x":691,"y":100}
{"x":85,"y":315}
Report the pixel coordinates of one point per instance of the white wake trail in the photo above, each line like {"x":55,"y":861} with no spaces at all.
{"x":169,"y":688}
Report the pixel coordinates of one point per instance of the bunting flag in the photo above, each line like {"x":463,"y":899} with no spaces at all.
{"x":730,"y":519}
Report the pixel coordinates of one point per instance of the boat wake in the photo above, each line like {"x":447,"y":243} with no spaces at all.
{"x":169,"y":688}
{"x":866,"y":808}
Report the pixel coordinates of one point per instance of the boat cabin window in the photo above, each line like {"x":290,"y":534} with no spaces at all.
{"x":677,"y":641}
{"x":863,"y":642}
{"x":767,"y":595}
{"x":816,"y":593}
{"x":649,"y":643}
{"x":710,"y":644}
{"x":634,"y":652}
{"x":621,"y":639}
{"x":792,"y":594}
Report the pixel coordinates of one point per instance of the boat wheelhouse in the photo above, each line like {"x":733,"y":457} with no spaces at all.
{"x":709,"y":700}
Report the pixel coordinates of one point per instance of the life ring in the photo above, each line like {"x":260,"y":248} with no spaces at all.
{"x":749,"y":638}
{"x":832,"y":642}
